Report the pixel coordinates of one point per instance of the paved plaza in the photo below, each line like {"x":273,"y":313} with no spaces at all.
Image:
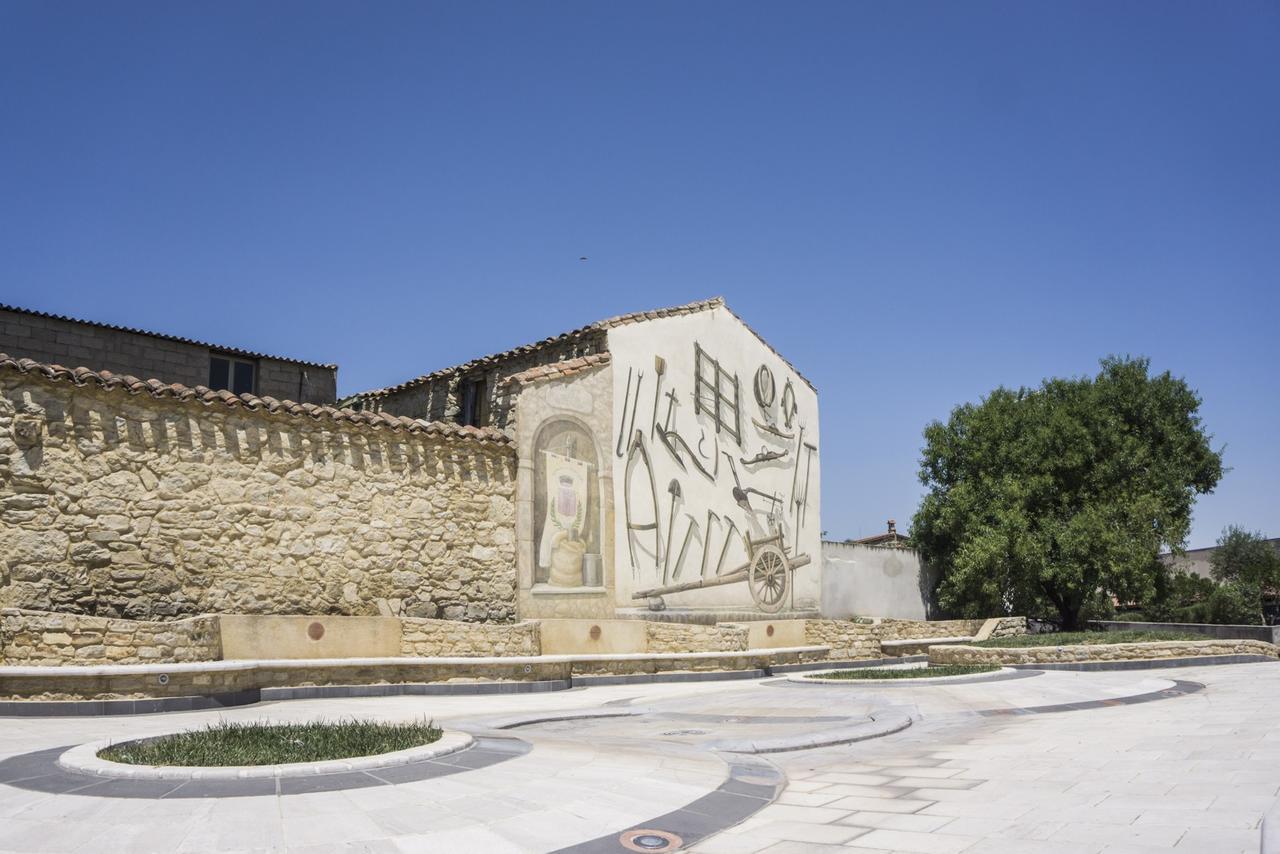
{"x":1059,"y":762}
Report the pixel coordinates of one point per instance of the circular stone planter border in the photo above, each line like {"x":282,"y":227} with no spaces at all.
{"x":83,"y":759}
{"x":817,"y":679}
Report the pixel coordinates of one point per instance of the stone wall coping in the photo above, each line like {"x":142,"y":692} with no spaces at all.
{"x":84,"y":759}
{"x":80,"y":670}
{"x":918,"y":641}
{"x":1136,"y":651}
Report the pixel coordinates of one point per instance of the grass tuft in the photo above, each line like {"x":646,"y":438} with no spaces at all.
{"x":262,"y":743}
{"x":930,"y":672}
{"x":1087,"y":638}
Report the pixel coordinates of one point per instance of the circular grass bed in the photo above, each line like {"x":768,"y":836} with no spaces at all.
{"x":259,"y":743}
{"x":1087,"y":639}
{"x":930,"y":672}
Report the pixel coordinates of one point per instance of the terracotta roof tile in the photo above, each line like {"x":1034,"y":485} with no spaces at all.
{"x":582,"y":332}
{"x":233,"y":351}
{"x":558,"y":370}
{"x":108,"y":381}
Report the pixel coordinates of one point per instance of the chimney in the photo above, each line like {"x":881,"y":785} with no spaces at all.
{"x":893,"y":527}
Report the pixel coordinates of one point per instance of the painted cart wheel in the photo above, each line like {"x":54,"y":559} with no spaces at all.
{"x":767,"y":578}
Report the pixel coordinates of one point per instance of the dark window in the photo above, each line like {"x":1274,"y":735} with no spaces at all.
{"x":234,"y":375}
{"x":472,"y":402}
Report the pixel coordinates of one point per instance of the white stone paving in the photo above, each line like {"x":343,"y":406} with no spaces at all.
{"x":1191,"y":773}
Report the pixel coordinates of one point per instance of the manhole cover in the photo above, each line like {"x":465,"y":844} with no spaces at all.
{"x":685,"y":732}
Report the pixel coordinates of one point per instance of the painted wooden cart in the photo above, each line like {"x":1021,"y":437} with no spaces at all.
{"x":768,"y":573}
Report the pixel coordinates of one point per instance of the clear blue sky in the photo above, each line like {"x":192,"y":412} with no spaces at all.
{"x":915,"y":202}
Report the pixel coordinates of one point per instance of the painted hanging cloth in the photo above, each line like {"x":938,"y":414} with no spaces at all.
{"x":562,"y":545}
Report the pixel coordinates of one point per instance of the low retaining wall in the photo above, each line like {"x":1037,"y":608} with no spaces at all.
{"x":847,"y":640}
{"x":1269,"y":634}
{"x":52,"y":639}
{"x":55,"y":639}
{"x":1097,"y":652}
{"x":211,"y":679}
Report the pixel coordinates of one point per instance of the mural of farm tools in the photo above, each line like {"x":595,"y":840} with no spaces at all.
{"x":772,"y":430}
{"x":766,"y":389}
{"x":749,"y":541}
{"x":640,"y":505}
{"x":765,"y":456}
{"x":789,"y":405}
{"x":633,"y":403}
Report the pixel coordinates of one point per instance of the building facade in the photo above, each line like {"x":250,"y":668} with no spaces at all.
{"x":665,"y":460}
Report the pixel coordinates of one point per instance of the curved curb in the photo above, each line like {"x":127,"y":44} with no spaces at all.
{"x":1149,"y":663}
{"x":1002,"y":673}
{"x":878,"y":725}
{"x":83,"y":759}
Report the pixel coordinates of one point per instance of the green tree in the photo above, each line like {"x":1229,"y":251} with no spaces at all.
{"x":1040,"y":500}
{"x":1248,"y":561}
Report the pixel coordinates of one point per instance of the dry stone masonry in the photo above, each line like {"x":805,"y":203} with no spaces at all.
{"x":146,"y":502}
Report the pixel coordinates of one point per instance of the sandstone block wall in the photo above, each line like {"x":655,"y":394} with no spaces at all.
{"x":1097,"y":652}
{"x":428,"y":638}
{"x":127,"y":505}
{"x":848,"y":640}
{"x":682,"y":637}
{"x":57,"y":639}
{"x":922,"y":629}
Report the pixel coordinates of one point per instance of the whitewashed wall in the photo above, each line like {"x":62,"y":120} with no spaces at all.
{"x":872,"y":581}
{"x":686,"y":546}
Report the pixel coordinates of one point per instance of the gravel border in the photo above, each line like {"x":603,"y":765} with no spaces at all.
{"x":83,"y":759}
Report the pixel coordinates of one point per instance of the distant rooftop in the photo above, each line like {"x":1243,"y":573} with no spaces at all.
{"x":233,"y":351}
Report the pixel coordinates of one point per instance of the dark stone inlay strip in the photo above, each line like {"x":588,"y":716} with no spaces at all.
{"x":95,"y":708}
{"x":1180,"y":688}
{"x":39,"y":771}
{"x":647,"y":678}
{"x":415,"y":689}
{"x":750,"y":787}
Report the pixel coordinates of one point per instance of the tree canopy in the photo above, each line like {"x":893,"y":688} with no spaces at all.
{"x":1042,"y":500}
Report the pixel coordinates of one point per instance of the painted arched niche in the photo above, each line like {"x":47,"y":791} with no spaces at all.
{"x":566,"y":506}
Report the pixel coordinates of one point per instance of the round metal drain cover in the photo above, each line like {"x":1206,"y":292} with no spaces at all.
{"x":650,"y":840}
{"x":685,"y":732}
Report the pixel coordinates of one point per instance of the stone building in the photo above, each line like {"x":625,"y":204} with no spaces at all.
{"x":58,"y":340}
{"x":666,"y":459}
{"x":658,"y":460}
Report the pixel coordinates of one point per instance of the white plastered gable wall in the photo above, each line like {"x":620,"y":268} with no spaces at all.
{"x":690,"y":543}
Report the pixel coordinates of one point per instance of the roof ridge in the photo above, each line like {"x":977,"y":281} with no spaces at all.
{"x":109,"y":381}
{"x":234,"y":351}
{"x":557,"y":370}
{"x":597,"y":326}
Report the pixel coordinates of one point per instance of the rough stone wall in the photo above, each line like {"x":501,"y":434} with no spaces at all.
{"x":848,"y":640}
{"x":73,"y":345}
{"x":1097,"y":652}
{"x":681,"y":637}
{"x":55,"y":639}
{"x":427,"y":638}
{"x":914,"y":629}
{"x":126,"y":505}
{"x":1007,"y":627}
